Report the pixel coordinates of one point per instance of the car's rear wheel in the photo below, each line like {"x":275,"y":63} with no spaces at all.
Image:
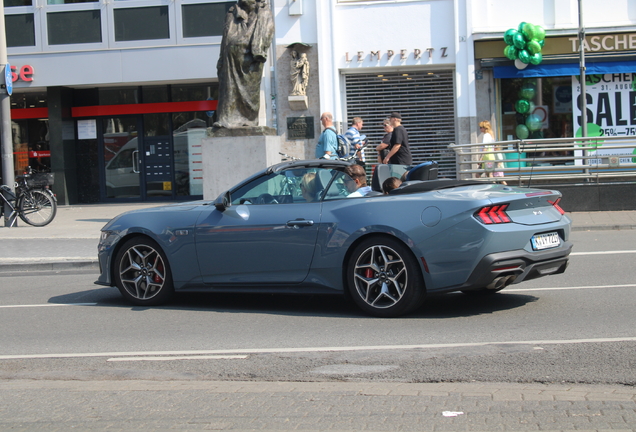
{"x":142,"y":272}
{"x":384,"y":279}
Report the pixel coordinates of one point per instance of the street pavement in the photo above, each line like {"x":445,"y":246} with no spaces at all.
{"x":70,"y":241}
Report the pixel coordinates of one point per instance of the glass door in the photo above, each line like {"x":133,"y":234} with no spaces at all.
{"x":122,"y":163}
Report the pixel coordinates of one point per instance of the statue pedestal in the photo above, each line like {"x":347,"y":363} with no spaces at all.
{"x":298,"y":103}
{"x":229,"y":157}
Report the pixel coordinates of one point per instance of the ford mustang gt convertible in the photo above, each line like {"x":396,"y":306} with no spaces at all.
{"x":293,"y":228}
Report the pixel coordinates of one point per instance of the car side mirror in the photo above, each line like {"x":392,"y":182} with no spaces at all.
{"x":223,"y":201}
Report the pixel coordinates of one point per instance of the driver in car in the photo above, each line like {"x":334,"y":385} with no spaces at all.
{"x":355,"y":181}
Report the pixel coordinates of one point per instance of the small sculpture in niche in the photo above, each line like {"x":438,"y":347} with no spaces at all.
{"x":299,"y":73}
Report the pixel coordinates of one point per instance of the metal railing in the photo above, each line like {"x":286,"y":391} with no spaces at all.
{"x":553,"y":161}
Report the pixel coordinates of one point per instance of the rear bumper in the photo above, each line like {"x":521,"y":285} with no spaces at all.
{"x":517,"y":266}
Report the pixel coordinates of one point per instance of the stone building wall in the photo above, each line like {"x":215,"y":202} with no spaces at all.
{"x":300,"y":148}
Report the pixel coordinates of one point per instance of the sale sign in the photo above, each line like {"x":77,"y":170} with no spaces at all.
{"x":610,"y":106}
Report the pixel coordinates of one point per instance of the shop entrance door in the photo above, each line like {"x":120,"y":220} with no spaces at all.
{"x":136,"y":167}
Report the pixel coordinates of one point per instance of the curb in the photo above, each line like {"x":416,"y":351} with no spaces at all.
{"x":39,"y":266}
{"x":603,"y":227}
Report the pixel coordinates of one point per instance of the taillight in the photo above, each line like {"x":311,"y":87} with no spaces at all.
{"x":557,"y":206}
{"x":493,"y":214}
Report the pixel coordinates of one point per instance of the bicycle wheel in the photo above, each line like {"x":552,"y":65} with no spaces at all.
{"x":37,"y":207}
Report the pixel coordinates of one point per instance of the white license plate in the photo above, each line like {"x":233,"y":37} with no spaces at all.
{"x":545,"y":241}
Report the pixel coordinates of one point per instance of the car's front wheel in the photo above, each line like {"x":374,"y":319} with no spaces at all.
{"x":384,"y":279}
{"x":142,"y":272}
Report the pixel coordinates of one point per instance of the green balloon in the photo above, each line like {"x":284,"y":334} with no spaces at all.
{"x":522,"y":131}
{"x":539,"y":33}
{"x":524,"y":56}
{"x":533,"y":122}
{"x":542,"y":42}
{"x":520,"y":26}
{"x":536,"y":58}
{"x":533,"y":46}
{"x":510,"y":52}
{"x":519,"y":41}
{"x":508,"y":35}
{"x":522,"y":106}
{"x":528,"y":90}
{"x":528,"y":31}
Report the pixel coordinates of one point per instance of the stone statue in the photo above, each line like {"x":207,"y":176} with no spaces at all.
{"x":247,"y":36}
{"x":299,"y":74}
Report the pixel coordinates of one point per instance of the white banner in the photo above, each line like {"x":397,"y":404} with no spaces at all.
{"x":611,"y":111}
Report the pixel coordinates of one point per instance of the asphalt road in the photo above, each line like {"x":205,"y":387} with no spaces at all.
{"x":570,"y":329}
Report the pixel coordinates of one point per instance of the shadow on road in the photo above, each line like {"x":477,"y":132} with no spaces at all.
{"x":437,"y":307}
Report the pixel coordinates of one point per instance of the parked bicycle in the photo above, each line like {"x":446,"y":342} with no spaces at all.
{"x":33,"y":200}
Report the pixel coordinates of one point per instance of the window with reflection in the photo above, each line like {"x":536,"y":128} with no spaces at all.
{"x":118,"y":95}
{"x":204,"y":19}
{"x":74,"y":27}
{"x":144,"y":23}
{"x":54,"y":2}
{"x":300,"y":185}
{"x":20,"y":29}
{"x":194,"y":92}
{"x":14,"y":3}
{"x":23,"y":100}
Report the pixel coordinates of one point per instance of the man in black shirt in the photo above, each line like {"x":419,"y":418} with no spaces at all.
{"x":399,"y":152}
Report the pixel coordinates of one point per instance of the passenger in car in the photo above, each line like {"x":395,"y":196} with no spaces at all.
{"x":309,"y":187}
{"x":355,"y":181}
{"x":390,"y":184}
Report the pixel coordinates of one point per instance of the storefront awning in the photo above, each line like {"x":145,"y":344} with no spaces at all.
{"x":567,"y":69}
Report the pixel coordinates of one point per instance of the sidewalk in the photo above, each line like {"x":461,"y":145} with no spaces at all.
{"x":70,"y":241}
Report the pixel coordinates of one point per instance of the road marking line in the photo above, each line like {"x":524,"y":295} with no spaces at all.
{"x":47,"y":305}
{"x":239,"y":351}
{"x":569,"y":288}
{"x":604,"y":252}
{"x":193,"y":357}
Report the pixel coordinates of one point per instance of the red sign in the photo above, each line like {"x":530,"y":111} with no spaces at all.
{"x":25,"y":74}
{"x":43,"y":153}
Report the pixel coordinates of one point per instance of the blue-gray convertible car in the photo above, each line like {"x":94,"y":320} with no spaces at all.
{"x":296,"y":227}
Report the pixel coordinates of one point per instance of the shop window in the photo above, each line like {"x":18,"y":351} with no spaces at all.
{"x":28,"y":100}
{"x":204,"y":19}
{"x":74,"y":27}
{"x":194,"y":92}
{"x":536,"y":108}
{"x":155,"y":94}
{"x":146,"y":23}
{"x":156,"y":124}
{"x":31,"y":145}
{"x":20,"y":30}
{"x":189,"y":130}
{"x":118,"y":96}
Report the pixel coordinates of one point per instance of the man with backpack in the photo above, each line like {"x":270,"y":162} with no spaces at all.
{"x":327,"y":146}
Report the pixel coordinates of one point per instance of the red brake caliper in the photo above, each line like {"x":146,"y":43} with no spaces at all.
{"x":368,"y":273}
{"x":156,"y":278}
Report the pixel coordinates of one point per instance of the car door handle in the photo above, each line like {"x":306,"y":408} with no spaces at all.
{"x":299,"y":222}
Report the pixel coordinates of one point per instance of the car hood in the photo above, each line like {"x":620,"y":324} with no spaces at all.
{"x":192,"y":206}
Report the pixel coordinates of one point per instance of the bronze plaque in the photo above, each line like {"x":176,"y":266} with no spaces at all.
{"x":299,"y":128}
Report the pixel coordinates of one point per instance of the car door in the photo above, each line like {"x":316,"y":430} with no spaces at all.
{"x":268,"y":235}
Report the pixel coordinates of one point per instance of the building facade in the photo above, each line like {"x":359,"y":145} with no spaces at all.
{"x":115,"y":97}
